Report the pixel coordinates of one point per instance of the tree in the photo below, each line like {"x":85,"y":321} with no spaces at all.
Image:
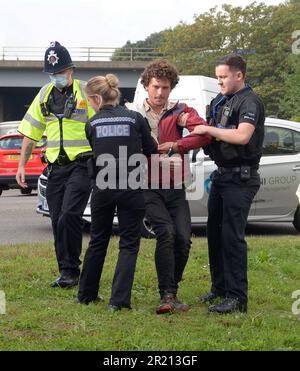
{"x":195,"y":47}
{"x":142,"y":50}
{"x":290,"y":102}
{"x":260,"y":33}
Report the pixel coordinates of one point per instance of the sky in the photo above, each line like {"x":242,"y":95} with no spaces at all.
{"x":101,"y":23}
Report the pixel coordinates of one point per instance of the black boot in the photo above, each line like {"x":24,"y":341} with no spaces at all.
{"x":65,"y":281}
{"x":228,"y":305}
{"x":210,"y":297}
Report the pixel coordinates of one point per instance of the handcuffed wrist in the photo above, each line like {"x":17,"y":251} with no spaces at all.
{"x":171,"y":150}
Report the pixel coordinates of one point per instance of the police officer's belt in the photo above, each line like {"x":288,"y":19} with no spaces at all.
{"x":63,"y":160}
{"x":223,"y":170}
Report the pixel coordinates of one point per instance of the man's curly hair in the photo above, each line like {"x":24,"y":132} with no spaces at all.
{"x":160,"y":70}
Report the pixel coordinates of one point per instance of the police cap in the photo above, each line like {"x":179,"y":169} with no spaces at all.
{"x":57,"y":58}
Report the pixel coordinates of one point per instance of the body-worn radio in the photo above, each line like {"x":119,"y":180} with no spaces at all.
{"x":70,"y":105}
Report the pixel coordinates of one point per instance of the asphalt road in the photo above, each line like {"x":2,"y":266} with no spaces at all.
{"x":19,"y":221}
{"x":21,"y":224}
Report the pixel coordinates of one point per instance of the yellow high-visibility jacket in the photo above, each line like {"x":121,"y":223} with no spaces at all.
{"x":74,"y":140}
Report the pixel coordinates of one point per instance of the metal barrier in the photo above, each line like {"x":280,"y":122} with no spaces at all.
{"x":25,"y":53}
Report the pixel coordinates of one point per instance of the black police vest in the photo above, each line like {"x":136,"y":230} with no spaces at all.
{"x":224,"y":113}
{"x":115,"y":137}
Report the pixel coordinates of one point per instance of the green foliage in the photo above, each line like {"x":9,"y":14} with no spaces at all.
{"x":290,"y":102}
{"x":261,"y":34}
{"x":141,"y":50}
{"x":42,"y":318}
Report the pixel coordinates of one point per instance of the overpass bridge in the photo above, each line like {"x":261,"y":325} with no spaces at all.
{"x":21,"y":73}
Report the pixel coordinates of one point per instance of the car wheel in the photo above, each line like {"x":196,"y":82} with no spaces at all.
{"x":296,"y":221}
{"x":147,"y":230}
{"x":0,"y":191}
{"x":26,"y":191}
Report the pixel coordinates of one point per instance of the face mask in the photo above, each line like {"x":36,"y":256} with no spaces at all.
{"x":59,"y":81}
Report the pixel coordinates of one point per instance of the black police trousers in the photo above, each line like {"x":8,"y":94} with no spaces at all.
{"x":229,"y":203}
{"x":169,"y":214}
{"x":67,"y":193}
{"x":130,"y":212}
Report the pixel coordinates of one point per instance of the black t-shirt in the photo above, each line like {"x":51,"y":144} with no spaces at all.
{"x":57,"y":99}
{"x":242,"y":107}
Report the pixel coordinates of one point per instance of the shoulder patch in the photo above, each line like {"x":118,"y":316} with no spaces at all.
{"x":251,"y":111}
{"x":82,"y":103}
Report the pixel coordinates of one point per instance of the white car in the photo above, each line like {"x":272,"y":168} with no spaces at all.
{"x":278,"y":197}
{"x":9,"y":127}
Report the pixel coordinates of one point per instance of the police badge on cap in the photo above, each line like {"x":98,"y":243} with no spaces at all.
{"x":52,"y":58}
{"x":57,"y":58}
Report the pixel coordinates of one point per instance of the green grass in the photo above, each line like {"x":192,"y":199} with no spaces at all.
{"x":42,"y":318}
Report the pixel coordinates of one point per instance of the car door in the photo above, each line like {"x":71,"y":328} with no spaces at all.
{"x":197,"y":193}
{"x":202,"y":168}
{"x":280,"y":173}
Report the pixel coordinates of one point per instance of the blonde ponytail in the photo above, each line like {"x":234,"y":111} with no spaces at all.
{"x":106,"y":87}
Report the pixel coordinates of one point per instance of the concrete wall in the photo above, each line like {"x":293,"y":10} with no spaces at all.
{"x":29,"y":74}
{"x":21,"y":80}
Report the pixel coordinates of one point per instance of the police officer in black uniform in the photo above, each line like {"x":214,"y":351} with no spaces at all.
{"x":236,"y":118}
{"x":115,"y":134}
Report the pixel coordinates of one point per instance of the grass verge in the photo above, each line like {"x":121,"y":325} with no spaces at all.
{"x":42,"y":318}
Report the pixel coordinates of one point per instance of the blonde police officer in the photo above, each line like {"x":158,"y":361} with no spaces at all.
{"x":61,"y":110}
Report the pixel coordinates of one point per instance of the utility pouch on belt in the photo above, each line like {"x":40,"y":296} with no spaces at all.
{"x":84,"y":156}
{"x":245,"y":172}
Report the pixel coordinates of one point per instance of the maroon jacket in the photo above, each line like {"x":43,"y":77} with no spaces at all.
{"x":169,"y":131}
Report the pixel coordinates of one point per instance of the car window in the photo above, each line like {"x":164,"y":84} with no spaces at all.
{"x":11,"y":143}
{"x":297,"y":141}
{"x":280,"y":141}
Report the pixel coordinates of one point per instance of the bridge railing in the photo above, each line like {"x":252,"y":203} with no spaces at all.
{"x":22,"y":53}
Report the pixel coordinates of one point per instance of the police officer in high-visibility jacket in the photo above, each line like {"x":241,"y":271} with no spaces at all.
{"x":61,"y":110}
{"x":119,"y":138}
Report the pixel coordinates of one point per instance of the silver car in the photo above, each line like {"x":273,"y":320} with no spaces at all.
{"x":278,"y":197}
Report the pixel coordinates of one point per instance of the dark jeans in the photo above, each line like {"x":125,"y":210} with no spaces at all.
{"x":67,"y":194}
{"x":229,"y":203}
{"x":130,"y":211}
{"x":169,"y":214}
